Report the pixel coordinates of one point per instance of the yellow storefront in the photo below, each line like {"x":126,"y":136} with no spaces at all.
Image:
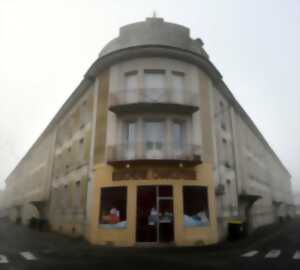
{"x":153,"y":211}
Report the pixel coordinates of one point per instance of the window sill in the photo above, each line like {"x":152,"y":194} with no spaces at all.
{"x":111,"y":227}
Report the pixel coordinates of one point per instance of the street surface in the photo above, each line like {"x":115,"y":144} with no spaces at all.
{"x":272,"y":247}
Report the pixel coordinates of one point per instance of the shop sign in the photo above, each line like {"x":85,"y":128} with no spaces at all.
{"x":150,"y":174}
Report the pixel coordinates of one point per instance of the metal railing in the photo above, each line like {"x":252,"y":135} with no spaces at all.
{"x":153,"y":95}
{"x":153,"y":150}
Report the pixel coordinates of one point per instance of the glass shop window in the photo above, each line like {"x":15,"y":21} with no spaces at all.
{"x":195,"y":203}
{"x":113,"y":208}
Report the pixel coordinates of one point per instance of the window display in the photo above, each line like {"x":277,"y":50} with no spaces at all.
{"x":195,"y":202}
{"x":113,"y":213}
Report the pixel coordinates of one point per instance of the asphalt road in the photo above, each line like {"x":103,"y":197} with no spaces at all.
{"x":272,"y":247}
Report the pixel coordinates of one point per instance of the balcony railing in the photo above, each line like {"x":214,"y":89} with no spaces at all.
{"x":153,"y":151}
{"x":140,"y":98}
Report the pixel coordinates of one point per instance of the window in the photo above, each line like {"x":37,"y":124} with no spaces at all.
{"x":81,"y":149}
{"x":113,"y":213}
{"x":223,"y":125}
{"x":154,"y":138}
{"x":130,"y":139}
{"x":227,"y":164}
{"x":131,"y":87}
{"x":195,"y":203}
{"x":131,"y":80}
{"x":178,"y":137}
{"x":154,"y":81}
{"x":177,"y":86}
{"x":130,"y":132}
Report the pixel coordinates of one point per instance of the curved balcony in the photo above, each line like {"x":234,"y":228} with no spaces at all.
{"x":155,"y":152}
{"x":153,"y":99}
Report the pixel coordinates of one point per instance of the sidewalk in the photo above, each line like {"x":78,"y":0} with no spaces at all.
{"x":54,"y":243}
{"x":260,"y":234}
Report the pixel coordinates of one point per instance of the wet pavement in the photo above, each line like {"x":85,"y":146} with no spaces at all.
{"x":271,"y":247}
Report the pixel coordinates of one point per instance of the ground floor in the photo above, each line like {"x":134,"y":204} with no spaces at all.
{"x":141,"y":205}
{"x":128,"y":209}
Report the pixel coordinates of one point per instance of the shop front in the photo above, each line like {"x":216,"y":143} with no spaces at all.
{"x":155,"y":211}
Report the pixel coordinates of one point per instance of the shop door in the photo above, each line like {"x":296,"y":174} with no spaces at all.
{"x":155,"y":221}
{"x":166,"y":224}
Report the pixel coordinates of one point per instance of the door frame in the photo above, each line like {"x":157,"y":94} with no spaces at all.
{"x":158,"y":199}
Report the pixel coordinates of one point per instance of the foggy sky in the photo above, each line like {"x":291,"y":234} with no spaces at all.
{"x":47,"y":46}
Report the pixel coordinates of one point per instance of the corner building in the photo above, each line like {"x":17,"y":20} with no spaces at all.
{"x":150,"y":148}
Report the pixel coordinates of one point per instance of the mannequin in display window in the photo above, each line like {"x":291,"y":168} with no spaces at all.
{"x":153,"y":216}
{"x":113,"y":217}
